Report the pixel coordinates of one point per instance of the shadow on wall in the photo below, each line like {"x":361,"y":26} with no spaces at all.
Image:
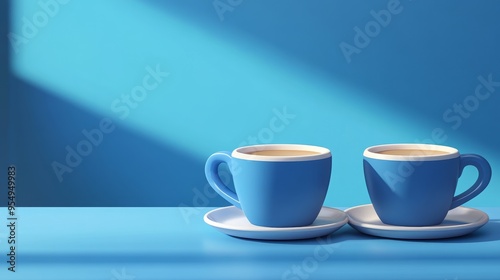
{"x":4,"y":88}
{"x":100,"y":163}
{"x":420,"y":57}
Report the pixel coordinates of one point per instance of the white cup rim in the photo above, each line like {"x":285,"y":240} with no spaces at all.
{"x":374,"y":152}
{"x":243,"y":152}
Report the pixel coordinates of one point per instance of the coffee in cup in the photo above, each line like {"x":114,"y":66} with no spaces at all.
{"x":289,"y":153}
{"x":411,"y":152}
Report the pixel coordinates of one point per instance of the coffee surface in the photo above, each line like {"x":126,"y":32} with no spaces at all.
{"x":284,"y":153}
{"x":412,"y":152}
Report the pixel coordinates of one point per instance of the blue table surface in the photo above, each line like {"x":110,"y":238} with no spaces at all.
{"x":175,"y":243}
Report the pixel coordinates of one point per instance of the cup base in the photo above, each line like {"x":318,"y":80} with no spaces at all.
{"x":410,"y":220}
{"x":409,"y":224}
{"x":274,"y":225}
{"x":274,"y":221}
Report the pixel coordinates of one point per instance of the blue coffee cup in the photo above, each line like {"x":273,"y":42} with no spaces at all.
{"x":276,"y":185}
{"x":415,"y":184}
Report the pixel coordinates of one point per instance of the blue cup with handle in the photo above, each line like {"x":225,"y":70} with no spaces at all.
{"x":276,"y":185}
{"x":415,"y":184}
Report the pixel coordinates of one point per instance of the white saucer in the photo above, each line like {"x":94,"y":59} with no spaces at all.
{"x":231,"y":220}
{"x":459,"y":221}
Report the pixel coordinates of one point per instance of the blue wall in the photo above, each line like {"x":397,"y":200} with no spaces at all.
{"x":4,"y":89}
{"x":119,"y":103}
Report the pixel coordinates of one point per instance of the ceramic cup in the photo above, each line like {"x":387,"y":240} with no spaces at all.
{"x":414,"y":184}
{"x":278,"y":185}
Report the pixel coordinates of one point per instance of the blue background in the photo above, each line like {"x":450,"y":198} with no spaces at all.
{"x":232,"y":76}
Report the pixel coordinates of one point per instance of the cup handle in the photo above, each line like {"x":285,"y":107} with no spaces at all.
{"x":484,"y":176}
{"x":212,"y":174}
